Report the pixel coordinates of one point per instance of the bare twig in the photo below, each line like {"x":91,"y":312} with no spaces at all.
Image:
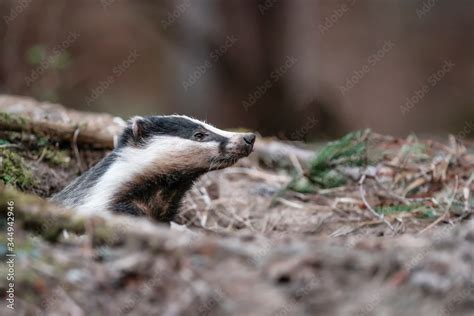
{"x":10,"y":146}
{"x":290,"y":203}
{"x":76,"y":149}
{"x":467,"y":193}
{"x":41,"y":157}
{"x":367,"y":205}
{"x":296,"y":164}
{"x":446,"y":213}
{"x":436,"y":222}
{"x":391,"y":194}
{"x":451,"y":200}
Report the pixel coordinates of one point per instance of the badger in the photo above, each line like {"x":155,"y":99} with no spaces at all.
{"x":156,"y":161}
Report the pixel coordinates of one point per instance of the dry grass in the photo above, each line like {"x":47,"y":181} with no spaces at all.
{"x":411,"y":186}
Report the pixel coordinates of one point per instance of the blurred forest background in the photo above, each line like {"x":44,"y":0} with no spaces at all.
{"x":296,"y":69}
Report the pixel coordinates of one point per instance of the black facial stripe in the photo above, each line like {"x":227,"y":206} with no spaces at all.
{"x":213,"y":137}
{"x":223,"y":144}
{"x":169,"y":126}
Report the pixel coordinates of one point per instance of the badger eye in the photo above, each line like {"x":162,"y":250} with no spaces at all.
{"x":199,"y":136}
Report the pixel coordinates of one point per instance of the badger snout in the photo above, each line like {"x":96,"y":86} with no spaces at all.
{"x":239,"y":145}
{"x":247,"y":141}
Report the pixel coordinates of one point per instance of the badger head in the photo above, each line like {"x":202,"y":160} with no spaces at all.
{"x":179,"y":143}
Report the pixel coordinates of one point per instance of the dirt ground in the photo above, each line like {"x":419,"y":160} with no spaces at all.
{"x":365,"y":225}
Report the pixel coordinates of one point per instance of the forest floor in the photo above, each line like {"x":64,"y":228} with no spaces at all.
{"x":365,"y":225}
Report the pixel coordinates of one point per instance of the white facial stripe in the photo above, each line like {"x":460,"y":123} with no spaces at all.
{"x":219,"y":131}
{"x":210,"y":127}
{"x":171,"y":153}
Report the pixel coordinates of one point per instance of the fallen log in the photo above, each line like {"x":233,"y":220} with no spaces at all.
{"x":49,"y":221}
{"x":55,"y":121}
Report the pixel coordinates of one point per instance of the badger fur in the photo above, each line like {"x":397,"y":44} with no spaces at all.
{"x":156,"y":161}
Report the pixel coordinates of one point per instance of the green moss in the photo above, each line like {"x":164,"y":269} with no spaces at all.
{"x":13,"y":137}
{"x":10,"y":119}
{"x":52,"y":154}
{"x":43,"y":141}
{"x":13,"y":169}
{"x":57,"y":157}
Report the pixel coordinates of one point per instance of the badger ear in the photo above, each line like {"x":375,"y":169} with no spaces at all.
{"x":136,"y":123}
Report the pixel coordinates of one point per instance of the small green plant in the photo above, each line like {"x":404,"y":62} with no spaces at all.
{"x":350,"y":150}
{"x":398,"y":208}
{"x":13,"y":170}
{"x":421,"y":210}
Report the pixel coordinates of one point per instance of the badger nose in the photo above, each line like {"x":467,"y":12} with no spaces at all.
{"x":249,"y":139}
